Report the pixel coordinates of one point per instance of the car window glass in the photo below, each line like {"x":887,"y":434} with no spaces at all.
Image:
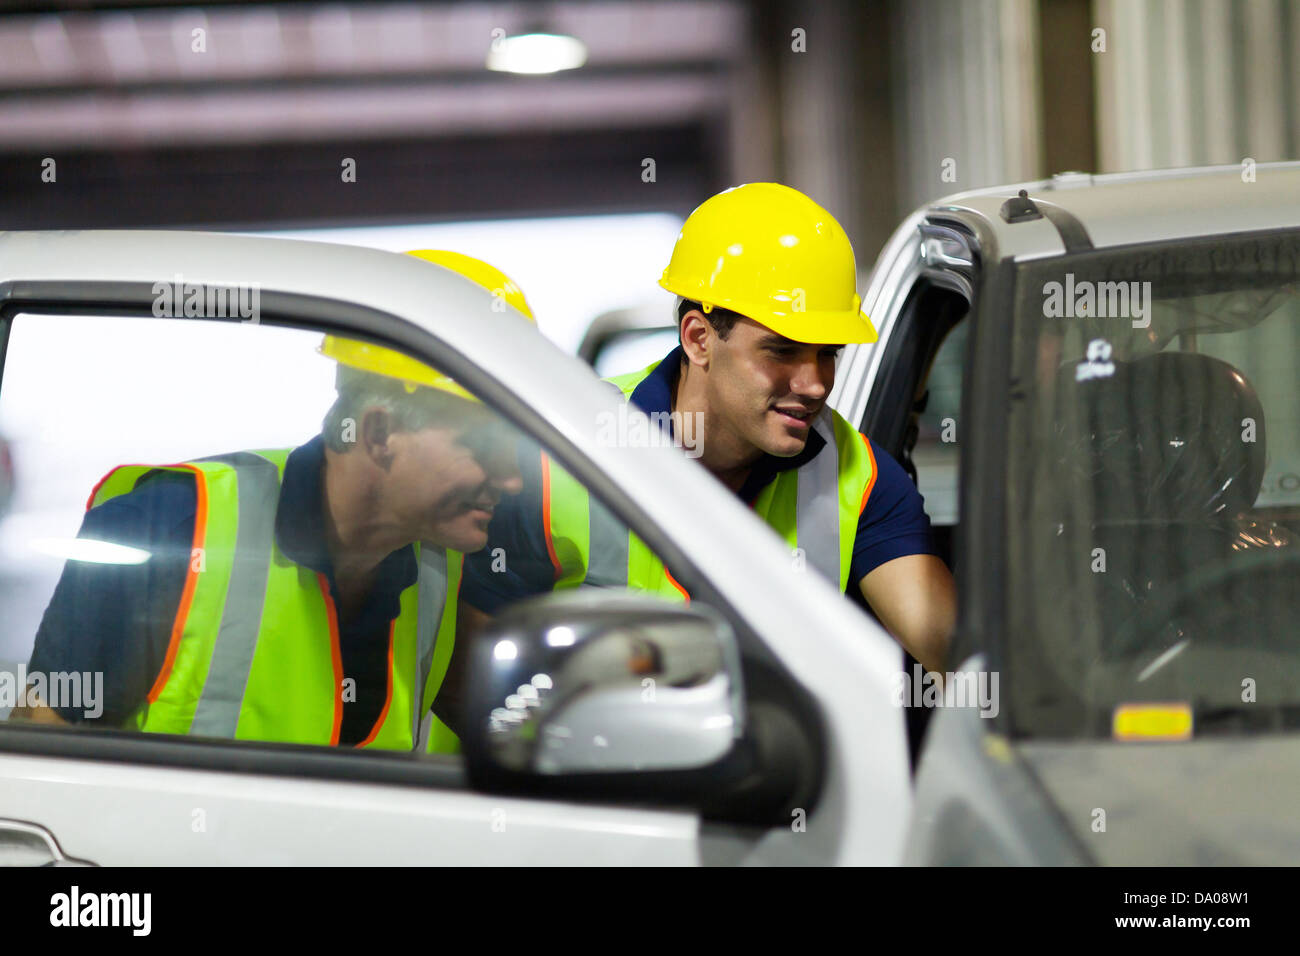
{"x":246,"y":532}
{"x":1265,"y":355}
{"x":936,"y":451}
{"x":1153,"y":499}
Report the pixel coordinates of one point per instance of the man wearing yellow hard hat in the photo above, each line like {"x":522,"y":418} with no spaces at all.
{"x":304,"y":595}
{"x":766,"y":284}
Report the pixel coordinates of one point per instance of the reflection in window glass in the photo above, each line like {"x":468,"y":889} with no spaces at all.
{"x":937,"y":448}
{"x":275,"y":543}
{"x":1153,"y":505}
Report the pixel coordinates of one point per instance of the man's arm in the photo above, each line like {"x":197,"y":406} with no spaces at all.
{"x":36,"y":712}
{"x":115,"y":620}
{"x":916,"y":600}
{"x":513,"y":565}
{"x":896,"y":567}
{"x":449,"y":705}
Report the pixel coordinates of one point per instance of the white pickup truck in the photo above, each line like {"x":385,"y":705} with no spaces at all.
{"x":1096,"y":374}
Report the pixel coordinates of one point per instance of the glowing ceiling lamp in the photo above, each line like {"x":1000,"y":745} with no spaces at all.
{"x":536,"y":52}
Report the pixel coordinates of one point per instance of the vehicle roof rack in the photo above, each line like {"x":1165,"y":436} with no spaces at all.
{"x":1020,"y":209}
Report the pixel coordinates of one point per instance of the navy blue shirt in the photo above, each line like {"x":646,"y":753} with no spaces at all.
{"x":892,"y":525}
{"x":117,"y":618}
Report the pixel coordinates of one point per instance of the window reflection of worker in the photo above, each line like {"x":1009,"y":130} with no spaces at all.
{"x":765,"y":280}
{"x":302,"y":595}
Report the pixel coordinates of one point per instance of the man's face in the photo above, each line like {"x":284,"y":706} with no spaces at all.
{"x":445,"y":482}
{"x":765,"y":389}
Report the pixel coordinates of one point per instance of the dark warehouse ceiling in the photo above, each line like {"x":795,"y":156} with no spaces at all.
{"x":281,"y":93}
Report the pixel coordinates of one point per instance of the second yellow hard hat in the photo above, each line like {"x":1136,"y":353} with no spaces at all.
{"x":386,"y":361}
{"x":476,"y":270}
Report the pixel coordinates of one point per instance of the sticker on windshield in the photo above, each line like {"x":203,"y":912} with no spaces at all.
{"x":1097,"y":364}
{"x":1153,"y":722}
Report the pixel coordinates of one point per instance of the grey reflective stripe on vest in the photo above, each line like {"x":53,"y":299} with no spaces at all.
{"x":607,"y":538}
{"x":258,"y":493}
{"x":606,"y":547}
{"x":817,"y":509}
{"x":432,"y":603}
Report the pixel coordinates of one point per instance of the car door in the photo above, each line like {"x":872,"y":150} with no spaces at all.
{"x":96,"y":375}
{"x":174,"y":801}
{"x":904,"y":391}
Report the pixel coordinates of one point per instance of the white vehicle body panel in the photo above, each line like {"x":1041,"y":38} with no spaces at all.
{"x":828,"y":645}
{"x":120,"y":815}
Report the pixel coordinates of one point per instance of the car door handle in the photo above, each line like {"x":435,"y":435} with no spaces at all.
{"x":28,"y":844}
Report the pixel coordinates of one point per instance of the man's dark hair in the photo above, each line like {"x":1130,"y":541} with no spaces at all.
{"x":722,"y":320}
{"x":410,"y":411}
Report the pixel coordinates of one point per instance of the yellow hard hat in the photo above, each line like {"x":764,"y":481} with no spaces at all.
{"x":476,"y":270}
{"x":772,"y":254}
{"x":386,"y":361}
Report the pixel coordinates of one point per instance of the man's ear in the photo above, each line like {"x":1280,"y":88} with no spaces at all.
{"x":697,"y":338}
{"x":376,"y":431}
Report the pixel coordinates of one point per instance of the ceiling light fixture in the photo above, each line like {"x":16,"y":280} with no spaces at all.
{"x":536,"y":52}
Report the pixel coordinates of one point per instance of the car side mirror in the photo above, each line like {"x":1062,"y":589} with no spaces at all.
{"x":599,"y":684}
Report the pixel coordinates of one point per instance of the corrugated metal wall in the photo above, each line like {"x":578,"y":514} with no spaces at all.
{"x":968,"y":95}
{"x":1179,"y":83}
{"x":1192,"y":82}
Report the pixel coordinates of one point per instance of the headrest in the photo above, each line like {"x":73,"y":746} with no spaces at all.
{"x":1169,"y":436}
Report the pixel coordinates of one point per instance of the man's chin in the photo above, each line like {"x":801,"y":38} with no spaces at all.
{"x":785,"y":445}
{"x":466,"y":540}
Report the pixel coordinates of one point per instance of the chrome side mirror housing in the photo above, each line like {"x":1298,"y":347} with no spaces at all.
{"x":601,"y":683}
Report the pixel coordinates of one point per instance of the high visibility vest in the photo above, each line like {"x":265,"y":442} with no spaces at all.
{"x":815,"y":508}
{"x":254,"y":650}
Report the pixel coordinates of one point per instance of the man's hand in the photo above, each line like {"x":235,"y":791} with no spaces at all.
{"x":916,"y":600}
{"x":37,"y":713}
{"x":449,"y":705}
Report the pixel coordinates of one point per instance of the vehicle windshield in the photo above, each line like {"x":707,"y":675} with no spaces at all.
{"x":1153,"y":486}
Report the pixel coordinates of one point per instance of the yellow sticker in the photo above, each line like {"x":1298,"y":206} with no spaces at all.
{"x":997,"y":748}
{"x":1153,"y":722}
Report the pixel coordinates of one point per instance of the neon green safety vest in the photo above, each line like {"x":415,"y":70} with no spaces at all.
{"x":815,"y":508}
{"x":254,"y":651}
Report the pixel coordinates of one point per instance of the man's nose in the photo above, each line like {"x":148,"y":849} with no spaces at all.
{"x":812,"y":380}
